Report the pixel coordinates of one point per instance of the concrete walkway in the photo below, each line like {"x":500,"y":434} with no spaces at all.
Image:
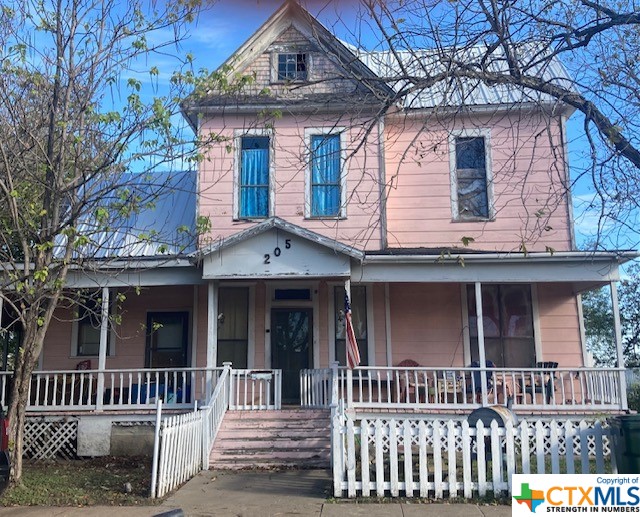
{"x":266,"y":493}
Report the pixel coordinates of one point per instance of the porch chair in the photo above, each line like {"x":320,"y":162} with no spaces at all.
{"x":543,"y":382}
{"x":474,"y":389}
{"x":405,"y":386}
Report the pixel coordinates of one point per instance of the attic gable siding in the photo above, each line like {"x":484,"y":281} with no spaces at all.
{"x":325,"y":77}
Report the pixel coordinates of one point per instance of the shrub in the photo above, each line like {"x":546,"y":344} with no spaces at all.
{"x":633,"y":396}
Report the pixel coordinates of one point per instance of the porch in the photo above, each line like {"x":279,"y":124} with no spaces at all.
{"x":392,"y":389}
{"x":461,"y":390}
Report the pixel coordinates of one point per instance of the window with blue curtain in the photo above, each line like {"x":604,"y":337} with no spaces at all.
{"x":254,"y":177}
{"x":325,"y":176}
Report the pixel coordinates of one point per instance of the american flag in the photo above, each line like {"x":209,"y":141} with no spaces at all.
{"x":353,"y":354}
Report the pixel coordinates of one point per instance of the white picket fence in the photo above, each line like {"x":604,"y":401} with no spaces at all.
{"x":431,"y":458}
{"x":180,"y":455}
{"x":182,"y":442}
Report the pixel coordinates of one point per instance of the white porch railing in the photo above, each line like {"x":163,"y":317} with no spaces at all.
{"x":213,"y":413}
{"x":315,"y":387}
{"x":124,"y":389}
{"x":255,"y":389}
{"x":597,"y":389}
{"x":430,"y":458}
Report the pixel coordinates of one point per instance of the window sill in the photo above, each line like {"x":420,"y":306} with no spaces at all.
{"x":325,"y":217}
{"x":281,"y":82}
{"x":254,"y":219}
{"x":473,"y":220}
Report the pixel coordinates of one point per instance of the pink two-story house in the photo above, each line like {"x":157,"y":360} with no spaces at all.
{"x":315,"y":183}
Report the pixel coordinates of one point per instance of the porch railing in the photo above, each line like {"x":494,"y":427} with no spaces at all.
{"x":567,"y":389}
{"x":255,"y":389}
{"x":77,"y":390}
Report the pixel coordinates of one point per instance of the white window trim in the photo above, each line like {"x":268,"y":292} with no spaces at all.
{"x":325,"y":131}
{"x":75,"y":331}
{"x":470,"y":133}
{"x":331,"y":309}
{"x":238,"y":134}
{"x":274,"y":66}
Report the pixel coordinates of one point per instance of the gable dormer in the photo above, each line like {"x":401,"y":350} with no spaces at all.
{"x":292,"y":60}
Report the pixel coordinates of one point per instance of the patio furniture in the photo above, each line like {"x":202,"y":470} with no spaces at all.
{"x":408,"y":385}
{"x":474,"y":381}
{"x":543,"y":382}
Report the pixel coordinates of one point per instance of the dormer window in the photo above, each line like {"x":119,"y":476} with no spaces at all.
{"x":292,"y":67}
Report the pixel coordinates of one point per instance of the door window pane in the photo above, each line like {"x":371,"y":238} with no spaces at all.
{"x":167,"y":335}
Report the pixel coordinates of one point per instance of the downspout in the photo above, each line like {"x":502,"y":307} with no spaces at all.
{"x":382,"y":181}
{"x":567,"y":178}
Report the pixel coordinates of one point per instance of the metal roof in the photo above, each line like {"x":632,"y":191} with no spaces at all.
{"x":398,"y":67}
{"x":165,"y":225}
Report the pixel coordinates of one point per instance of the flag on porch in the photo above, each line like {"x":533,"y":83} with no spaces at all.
{"x":353,"y":354}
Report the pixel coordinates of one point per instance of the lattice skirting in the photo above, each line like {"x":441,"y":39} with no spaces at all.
{"x":47,"y":439}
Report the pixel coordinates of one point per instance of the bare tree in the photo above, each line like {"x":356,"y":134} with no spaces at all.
{"x":82,"y":151}
{"x":558,"y":56}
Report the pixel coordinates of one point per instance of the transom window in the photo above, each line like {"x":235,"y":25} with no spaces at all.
{"x":325,"y":176}
{"x":507,"y":316}
{"x":472,"y":198}
{"x":254,"y":177}
{"x":292,"y":67}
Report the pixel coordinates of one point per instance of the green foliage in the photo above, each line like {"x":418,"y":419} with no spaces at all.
{"x":633,"y":396}
{"x":598,"y":321}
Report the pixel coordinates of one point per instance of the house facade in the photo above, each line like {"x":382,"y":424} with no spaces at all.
{"x":316,"y":185}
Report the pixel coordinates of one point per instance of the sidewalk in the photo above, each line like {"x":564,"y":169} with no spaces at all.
{"x":262,"y":494}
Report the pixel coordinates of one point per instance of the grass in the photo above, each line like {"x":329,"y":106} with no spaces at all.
{"x":98,"y":481}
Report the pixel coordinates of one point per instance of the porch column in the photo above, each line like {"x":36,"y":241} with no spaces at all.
{"x":212,"y":331}
{"x":618,"y":337}
{"x":481,"y":355}
{"x":102,"y":353}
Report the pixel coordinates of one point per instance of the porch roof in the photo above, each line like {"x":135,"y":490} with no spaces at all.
{"x":585,"y":270}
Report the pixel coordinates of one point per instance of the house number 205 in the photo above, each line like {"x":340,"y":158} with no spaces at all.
{"x":277,"y":251}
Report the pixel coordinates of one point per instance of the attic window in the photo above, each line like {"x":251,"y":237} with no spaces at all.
{"x":292,"y":67}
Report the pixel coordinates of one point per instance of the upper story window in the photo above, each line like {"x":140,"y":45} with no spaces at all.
{"x":254,"y":177}
{"x":292,"y":67}
{"x":326,"y":175}
{"x":471,"y":175}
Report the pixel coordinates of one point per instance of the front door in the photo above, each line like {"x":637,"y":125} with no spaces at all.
{"x":291,"y":348}
{"x":167,"y":338}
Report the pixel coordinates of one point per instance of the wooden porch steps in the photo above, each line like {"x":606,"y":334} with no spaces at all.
{"x":261,"y":439}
